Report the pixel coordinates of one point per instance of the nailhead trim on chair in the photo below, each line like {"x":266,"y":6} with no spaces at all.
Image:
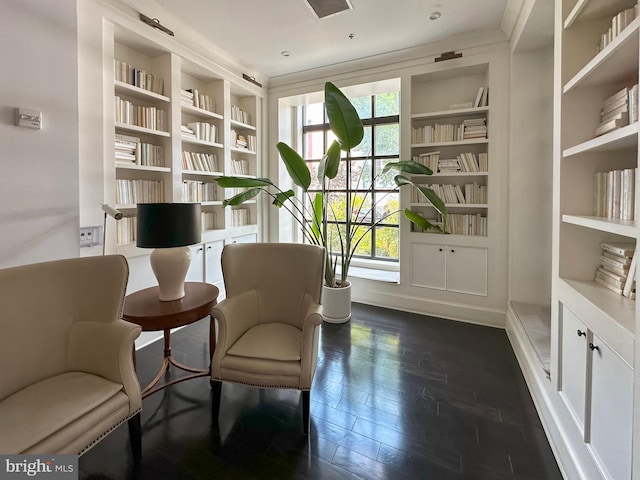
{"x":94,"y":442}
{"x":262,"y":385}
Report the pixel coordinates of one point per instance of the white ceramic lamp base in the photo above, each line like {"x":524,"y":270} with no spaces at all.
{"x":170,"y":266}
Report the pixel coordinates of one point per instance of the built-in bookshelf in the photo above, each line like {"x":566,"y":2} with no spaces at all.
{"x":179,"y":122}
{"x":595,"y":205}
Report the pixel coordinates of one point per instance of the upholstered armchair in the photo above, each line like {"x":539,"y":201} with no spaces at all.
{"x":269,"y":322}
{"x":68,"y":377}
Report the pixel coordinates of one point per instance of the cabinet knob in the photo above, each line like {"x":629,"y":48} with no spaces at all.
{"x":593,"y":347}
{"x":581,"y":333}
{"x":453,"y":251}
{"x":200,"y":249}
{"x":440,"y":249}
{"x":209,"y":247}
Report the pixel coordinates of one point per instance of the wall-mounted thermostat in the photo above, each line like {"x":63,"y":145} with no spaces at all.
{"x":28,"y":118}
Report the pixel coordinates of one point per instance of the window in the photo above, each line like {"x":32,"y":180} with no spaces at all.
{"x":375,"y":197}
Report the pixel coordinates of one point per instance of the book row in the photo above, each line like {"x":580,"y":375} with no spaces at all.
{"x":129,"y":192}
{"x":240,"y":217}
{"x":194,"y":98}
{"x":140,"y":115}
{"x":204,"y":131}
{"x":138,"y":78}
{"x":239,"y":167}
{"x":209,"y":220}
{"x":201,"y":162}
{"x":614,"y":194}
{"x":619,"y":22}
{"x":618,"y":110}
{"x":463,"y":224}
{"x":240,"y":115}
{"x":617,"y":268}
{"x":469,"y":129}
{"x":131,"y":149}
{"x":464,"y":162}
{"x":470,"y":193}
{"x":244,"y":141}
{"x":194,"y":191}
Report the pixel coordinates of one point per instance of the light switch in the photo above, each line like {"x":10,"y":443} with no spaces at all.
{"x":28,"y":118}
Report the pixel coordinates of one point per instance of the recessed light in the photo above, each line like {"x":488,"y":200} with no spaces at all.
{"x":285,"y":53}
{"x":351,"y":35}
{"x":435,"y":16}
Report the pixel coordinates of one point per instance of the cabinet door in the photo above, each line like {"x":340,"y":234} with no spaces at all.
{"x":212,"y":266}
{"x":196,"y":268}
{"x":428,"y":266}
{"x":611,"y":410}
{"x":249,"y":238}
{"x":573,"y":370}
{"x":467,"y":270}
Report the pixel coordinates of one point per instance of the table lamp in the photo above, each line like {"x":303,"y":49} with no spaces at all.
{"x":169,"y":228}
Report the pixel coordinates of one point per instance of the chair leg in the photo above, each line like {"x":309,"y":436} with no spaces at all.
{"x":216,"y":393}
{"x":135,"y":437}
{"x":306,"y":400}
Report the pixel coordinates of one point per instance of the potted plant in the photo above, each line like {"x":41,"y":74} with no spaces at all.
{"x":314,"y":215}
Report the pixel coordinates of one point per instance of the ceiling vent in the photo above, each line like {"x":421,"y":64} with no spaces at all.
{"x":326,"y":8}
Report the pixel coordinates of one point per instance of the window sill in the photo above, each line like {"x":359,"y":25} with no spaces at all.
{"x":376,"y":274}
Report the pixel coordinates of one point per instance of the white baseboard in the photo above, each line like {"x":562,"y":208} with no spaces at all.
{"x":572,"y":454}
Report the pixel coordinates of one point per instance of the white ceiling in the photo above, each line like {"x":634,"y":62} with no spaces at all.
{"x":257,"y":31}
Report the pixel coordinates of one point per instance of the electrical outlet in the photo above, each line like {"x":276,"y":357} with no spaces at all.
{"x":90,"y":236}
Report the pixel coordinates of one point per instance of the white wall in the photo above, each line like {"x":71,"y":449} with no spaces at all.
{"x":39,"y":205}
{"x":530,"y":176}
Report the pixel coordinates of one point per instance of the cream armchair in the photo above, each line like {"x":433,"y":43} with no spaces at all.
{"x":269,"y":322}
{"x":68,"y":377}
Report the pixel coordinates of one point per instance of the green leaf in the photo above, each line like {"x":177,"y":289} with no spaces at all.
{"x":433,"y":198}
{"x":408,"y":166}
{"x":316,"y":221}
{"x":242,"y":182}
{"x":282,"y":197}
{"x":343,"y":118}
{"x":420,"y":221}
{"x":240,"y":198}
{"x":330,"y":162}
{"x":402,"y":180}
{"x":296,"y":166}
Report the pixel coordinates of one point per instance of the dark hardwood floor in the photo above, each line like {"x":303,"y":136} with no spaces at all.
{"x":395,"y":396}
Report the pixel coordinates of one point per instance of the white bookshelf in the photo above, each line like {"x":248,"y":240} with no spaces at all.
{"x":584,"y":78}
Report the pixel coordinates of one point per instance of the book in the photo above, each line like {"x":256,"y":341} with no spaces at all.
{"x":629,"y":284}
{"x":624,"y":249}
{"x":479,"y":97}
{"x":609,"y":286}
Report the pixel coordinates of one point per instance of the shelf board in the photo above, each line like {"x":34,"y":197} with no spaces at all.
{"x":452,"y":205}
{"x":474,"y":141}
{"x":246,"y":126}
{"x":454,"y":175}
{"x":146,"y":168}
{"x":619,"y":139}
{"x":195,"y":141}
{"x":211,"y":203}
{"x":131,"y":90}
{"x":243,"y":150}
{"x":201,"y":112}
{"x":141,"y":130}
{"x":589,"y":9}
{"x":460,"y":112}
{"x":613,"y":63}
{"x":203,"y":173}
{"x":626,"y":228}
{"x":450,"y":239}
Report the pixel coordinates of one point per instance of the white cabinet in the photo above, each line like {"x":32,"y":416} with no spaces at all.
{"x":452,"y":268}
{"x":574,"y":365}
{"x":196,"y":267}
{"x":212,"y":265}
{"x":611,"y":410}
{"x":597,"y":388}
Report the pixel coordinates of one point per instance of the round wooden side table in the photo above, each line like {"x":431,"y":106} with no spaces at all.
{"x":145,"y":309}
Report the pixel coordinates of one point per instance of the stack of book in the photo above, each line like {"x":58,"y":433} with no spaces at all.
{"x":474,"y":128}
{"x":126,"y":230}
{"x":429,"y":160}
{"x":617,"y":268}
{"x":239,"y":167}
{"x":208,"y":220}
{"x":619,"y":22}
{"x":140,"y":115}
{"x":482,"y":99}
{"x":204,"y":131}
{"x":198,"y":161}
{"x":618,"y":110}
{"x":614,"y":194}
{"x":129,"y":192}
{"x":470,"y":193}
{"x":126,"y":146}
{"x":196,"y":191}
{"x":240,"y":217}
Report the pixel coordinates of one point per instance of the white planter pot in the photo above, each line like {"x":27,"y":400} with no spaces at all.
{"x":336,"y":304}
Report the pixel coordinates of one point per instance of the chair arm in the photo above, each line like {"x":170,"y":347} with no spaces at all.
{"x":106,"y":349}
{"x":310,"y":333}
{"x":235,"y":316}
